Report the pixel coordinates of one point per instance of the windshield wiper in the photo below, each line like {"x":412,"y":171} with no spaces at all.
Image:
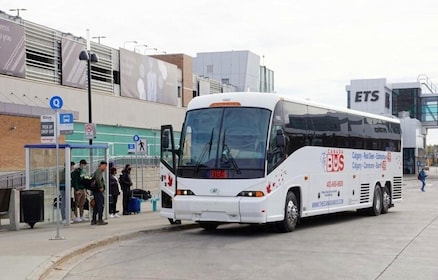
{"x":206,"y":148}
{"x":226,"y":154}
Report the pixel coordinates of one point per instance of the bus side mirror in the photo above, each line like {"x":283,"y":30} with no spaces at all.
{"x":280,"y":142}
{"x":165,"y":140}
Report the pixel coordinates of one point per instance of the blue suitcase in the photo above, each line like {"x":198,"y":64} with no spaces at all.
{"x":134,"y":205}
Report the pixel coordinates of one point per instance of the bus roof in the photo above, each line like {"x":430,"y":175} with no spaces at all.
{"x":269,"y":101}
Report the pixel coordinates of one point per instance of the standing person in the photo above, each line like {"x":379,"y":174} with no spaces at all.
{"x":114,"y":191}
{"x":98,"y":195}
{"x":80,"y":193}
{"x":126,"y":183}
{"x":422,"y":177}
{"x":62,"y":198}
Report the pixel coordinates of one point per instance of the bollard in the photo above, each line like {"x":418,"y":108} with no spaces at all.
{"x":154,"y":203}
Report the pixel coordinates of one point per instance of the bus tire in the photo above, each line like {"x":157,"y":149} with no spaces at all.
{"x":208,"y":225}
{"x":291,"y":214}
{"x":376,"y":209}
{"x":386,"y":200}
{"x":174,"y":222}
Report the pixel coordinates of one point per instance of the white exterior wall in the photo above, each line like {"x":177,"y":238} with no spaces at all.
{"x":370,"y":96}
{"x":413,"y":136}
{"x":107,"y":109}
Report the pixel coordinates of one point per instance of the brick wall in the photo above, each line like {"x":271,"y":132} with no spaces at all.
{"x":15,"y":132}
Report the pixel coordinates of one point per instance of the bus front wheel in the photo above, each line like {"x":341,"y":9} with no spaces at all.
{"x":174,"y":222}
{"x":386,"y":200}
{"x":291,"y":214}
{"x":208,"y":225}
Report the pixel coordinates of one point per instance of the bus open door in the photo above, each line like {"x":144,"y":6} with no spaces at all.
{"x":167,"y":173}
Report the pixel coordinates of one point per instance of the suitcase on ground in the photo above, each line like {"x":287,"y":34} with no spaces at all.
{"x":134,"y":205}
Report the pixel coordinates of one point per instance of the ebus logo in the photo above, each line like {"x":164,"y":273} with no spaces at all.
{"x":333,"y":161}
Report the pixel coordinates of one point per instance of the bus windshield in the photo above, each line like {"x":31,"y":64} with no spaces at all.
{"x":221,"y":143}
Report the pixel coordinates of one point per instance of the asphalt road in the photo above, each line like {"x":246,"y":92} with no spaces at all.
{"x":402,"y":244}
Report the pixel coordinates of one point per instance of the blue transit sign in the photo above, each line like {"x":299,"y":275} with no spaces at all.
{"x":131,"y":148}
{"x":136,"y":138}
{"x":66,"y":125}
{"x":65,"y":118}
{"x":56,"y":102}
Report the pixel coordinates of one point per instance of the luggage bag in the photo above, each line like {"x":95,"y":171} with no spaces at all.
{"x":134,"y":205}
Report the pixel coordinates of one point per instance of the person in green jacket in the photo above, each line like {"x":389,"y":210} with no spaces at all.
{"x":80,"y":193}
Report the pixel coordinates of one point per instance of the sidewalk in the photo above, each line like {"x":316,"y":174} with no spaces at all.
{"x":30,"y":253}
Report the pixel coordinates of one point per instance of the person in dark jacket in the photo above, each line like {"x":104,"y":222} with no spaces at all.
{"x":126,"y":183}
{"x":114,"y":191}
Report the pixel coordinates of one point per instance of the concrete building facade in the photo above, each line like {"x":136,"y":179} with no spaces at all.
{"x":131,"y":93}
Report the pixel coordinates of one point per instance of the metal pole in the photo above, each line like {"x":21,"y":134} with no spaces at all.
{"x":142,"y":168}
{"x":57,"y":237}
{"x":136,"y":164}
{"x":90,"y":107}
{"x":90,"y":118}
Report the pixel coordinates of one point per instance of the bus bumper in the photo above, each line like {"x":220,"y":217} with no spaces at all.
{"x":223,"y":209}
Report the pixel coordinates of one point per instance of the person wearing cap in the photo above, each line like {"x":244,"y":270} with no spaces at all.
{"x":80,"y":193}
{"x":98,"y":195}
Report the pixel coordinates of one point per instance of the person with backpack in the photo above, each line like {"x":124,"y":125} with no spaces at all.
{"x":422,"y":177}
{"x":98,"y":195}
{"x":80,"y":193}
{"x":126,"y":183}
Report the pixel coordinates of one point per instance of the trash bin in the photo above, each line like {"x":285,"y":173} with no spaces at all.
{"x":31,"y":206}
{"x":5,"y":197}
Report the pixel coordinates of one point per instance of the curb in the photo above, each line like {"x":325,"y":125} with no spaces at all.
{"x":43,"y":270}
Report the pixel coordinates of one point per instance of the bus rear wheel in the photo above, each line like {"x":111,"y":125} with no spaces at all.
{"x":376,"y":209}
{"x":291,"y":214}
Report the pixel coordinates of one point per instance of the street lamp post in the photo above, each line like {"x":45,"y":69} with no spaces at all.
{"x":90,"y":58}
{"x":98,"y":38}
{"x":17,"y":10}
{"x":126,"y":42}
{"x":146,"y":50}
{"x":135,"y":48}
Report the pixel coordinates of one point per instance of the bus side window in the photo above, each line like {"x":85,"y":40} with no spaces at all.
{"x":276,"y":147}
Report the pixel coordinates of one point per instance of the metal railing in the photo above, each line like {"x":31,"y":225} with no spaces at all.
{"x":13,"y":180}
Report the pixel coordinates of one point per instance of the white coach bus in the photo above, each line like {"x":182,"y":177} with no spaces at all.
{"x":259,"y":158}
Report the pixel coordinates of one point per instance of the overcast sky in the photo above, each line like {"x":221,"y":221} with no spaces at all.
{"x":314,"y":47}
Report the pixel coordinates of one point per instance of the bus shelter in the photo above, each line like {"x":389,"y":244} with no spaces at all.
{"x":43,"y":166}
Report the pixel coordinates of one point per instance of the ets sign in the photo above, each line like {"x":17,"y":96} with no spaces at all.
{"x":366,"y":96}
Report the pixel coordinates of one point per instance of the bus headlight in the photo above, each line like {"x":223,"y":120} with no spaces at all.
{"x":251,"y":193}
{"x":184,"y":192}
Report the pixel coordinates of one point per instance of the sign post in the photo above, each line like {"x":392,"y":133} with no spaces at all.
{"x":56,"y":104}
{"x":136,"y":139}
